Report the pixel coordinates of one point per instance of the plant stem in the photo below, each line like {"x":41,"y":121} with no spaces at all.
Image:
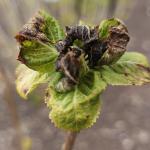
{"x":70,"y":140}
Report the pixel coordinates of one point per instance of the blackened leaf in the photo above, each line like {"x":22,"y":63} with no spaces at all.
{"x":131,"y":69}
{"x":27,"y":80}
{"x":78,"y":108}
{"x":115,"y":33}
{"x":41,"y":27}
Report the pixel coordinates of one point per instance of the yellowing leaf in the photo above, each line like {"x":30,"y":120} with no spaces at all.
{"x":27,"y":80}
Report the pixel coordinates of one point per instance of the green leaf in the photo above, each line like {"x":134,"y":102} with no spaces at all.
{"x":131,"y":69}
{"x":134,"y":57}
{"x":38,"y":56}
{"x":105,"y":25}
{"x":37,"y":39}
{"x":78,"y":108}
{"x":52,"y":28}
{"x":27,"y":80}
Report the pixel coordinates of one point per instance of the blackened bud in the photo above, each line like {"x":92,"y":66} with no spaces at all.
{"x":80,"y":32}
{"x":69,"y":64}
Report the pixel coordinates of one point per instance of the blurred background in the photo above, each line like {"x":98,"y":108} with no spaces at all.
{"x":124,"y":123}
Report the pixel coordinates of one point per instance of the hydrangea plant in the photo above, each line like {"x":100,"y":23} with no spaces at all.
{"x":77,"y":64}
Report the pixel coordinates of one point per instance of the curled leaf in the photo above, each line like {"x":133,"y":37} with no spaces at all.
{"x":36,"y":42}
{"x":116,"y":34}
{"x":42,"y":27}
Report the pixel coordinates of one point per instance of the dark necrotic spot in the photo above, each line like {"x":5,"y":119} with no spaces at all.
{"x":95,"y":50}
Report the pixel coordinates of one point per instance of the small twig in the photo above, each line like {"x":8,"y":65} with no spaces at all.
{"x":70,"y":140}
{"x":12,"y":106}
{"x":112,"y":8}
